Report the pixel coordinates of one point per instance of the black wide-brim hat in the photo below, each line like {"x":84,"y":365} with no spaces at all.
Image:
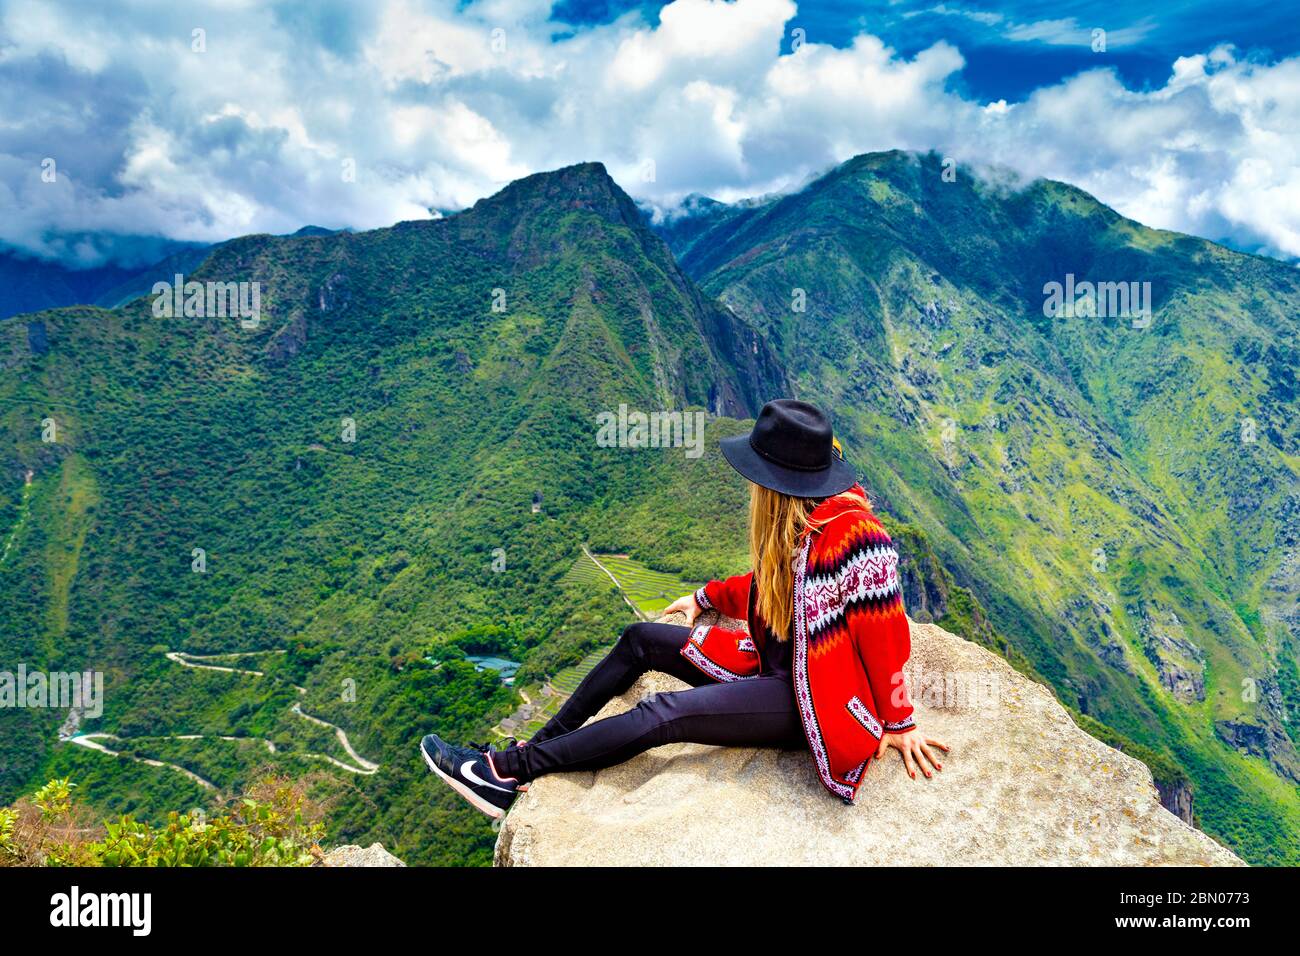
{"x":791,"y":450}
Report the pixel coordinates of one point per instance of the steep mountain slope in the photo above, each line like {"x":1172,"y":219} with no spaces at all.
{"x":351,"y":480}
{"x":1120,"y":491}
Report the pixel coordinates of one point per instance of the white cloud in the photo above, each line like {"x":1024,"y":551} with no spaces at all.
{"x":439,"y":104}
{"x":1068,"y":31}
{"x":705,"y":37}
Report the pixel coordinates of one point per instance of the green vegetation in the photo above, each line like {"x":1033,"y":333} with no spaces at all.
{"x":568,"y":679}
{"x":341,"y":498}
{"x":1121,"y":500}
{"x":650,"y":591}
{"x":547,"y":698}
{"x":586,"y":573}
{"x":365,"y":560}
{"x":274,"y":825}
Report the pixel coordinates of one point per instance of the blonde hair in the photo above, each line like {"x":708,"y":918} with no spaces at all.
{"x":777,"y":524}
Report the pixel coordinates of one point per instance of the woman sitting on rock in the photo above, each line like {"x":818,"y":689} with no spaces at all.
{"x":821,"y":664}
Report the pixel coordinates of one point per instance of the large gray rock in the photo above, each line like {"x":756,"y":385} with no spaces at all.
{"x":353,"y":855}
{"x":1023,"y":785}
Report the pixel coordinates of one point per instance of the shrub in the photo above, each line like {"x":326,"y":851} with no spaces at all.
{"x":273,"y":825}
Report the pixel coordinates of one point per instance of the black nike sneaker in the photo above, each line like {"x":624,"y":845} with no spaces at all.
{"x":468,"y":772}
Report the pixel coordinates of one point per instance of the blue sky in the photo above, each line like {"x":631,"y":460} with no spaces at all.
{"x":204,"y":120}
{"x":1013,"y":48}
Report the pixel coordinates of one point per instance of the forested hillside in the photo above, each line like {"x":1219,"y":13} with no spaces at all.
{"x":1120,"y":491}
{"x":396,"y":464}
{"x":358,"y":472}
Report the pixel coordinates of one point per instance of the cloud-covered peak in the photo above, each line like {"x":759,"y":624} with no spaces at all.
{"x":217,"y":120}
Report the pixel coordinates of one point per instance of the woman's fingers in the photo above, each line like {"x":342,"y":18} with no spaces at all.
{"x":907,"y":761}
{"x":921,"y":765}
{"x":915,"y":751}
{"x":928,"y":756}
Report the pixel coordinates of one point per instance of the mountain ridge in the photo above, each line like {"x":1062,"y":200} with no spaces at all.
{"x":337,"y":479}
{"x":369,"y":558}
{"x":1008,"y":433}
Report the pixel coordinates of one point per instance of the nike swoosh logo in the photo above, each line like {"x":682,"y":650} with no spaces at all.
{"x":467,"y":771}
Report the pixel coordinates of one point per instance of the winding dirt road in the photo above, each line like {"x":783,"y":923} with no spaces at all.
{"x":92,"y":742}
{"x":364,"y":767}
{"x":342,"y":739}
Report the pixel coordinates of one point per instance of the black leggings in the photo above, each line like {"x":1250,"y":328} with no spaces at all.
{"x":755,"y":712}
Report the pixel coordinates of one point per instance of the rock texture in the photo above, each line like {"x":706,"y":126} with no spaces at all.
{"x":1023,"y":785}
{"x":353,"y":855}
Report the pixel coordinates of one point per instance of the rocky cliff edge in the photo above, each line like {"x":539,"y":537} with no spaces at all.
{"x":1022,"y":785}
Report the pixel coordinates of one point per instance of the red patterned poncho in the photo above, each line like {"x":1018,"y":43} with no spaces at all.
{"x":851,"y":639}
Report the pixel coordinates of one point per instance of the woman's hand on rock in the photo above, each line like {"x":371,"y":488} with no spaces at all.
{"x":915,"y":750}
{"x":684,"y":605}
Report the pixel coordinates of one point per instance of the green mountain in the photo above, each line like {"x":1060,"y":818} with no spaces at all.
{"x":1119,"y":491}
{"x":32,"y":285}
{"x":338,"y":498}
{"x":358,"y":471}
